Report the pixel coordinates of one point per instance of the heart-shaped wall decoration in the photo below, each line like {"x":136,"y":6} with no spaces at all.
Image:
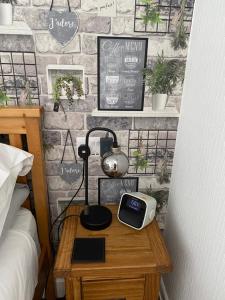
{"x":70,"y":172}
{"x":63,"y":25}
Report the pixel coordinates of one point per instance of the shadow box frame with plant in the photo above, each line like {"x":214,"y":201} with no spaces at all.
{"x":162,"y":78}
{"x":69,"y":84}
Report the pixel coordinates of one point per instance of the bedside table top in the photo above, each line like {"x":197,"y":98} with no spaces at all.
{"x":128,"y":251}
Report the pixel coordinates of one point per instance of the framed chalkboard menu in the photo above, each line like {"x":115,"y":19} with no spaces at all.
{"x":110,"y":190}
{"x":121,"y":61}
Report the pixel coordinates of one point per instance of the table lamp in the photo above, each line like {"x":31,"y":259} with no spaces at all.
{"x":114,"y":164}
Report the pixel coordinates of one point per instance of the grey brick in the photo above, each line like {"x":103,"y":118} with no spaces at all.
{"x":66,"y":59}
{"x":125,"y":7}
{"x":57,"y":3}
{"x":123,"y":25}
{"x":88,"y":61}
{"x":35,"y":18}
{"x":57,"y":183}
{"x":16,"y":42}
{"x":52,"y":168}
{"x":88,"y":5}
{"x":93,"y":85}
{"x":89,"y":44}
{"x":112,"y":123}
{"x":94,"y":24}
{"x":43,"y":61}
{"x":55,"y":195}
{"x":46,"y":43}
{"x":56,"y":120}
{"x":156,"y":123}
{"x":84,"y":105}
{"x":52,"y":137}
{"x":23,"y":2}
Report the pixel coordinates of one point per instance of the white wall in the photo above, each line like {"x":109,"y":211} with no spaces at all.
{"x":195,"y":232}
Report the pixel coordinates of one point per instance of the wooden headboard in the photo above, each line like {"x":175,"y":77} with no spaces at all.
{"x":17,"y":121}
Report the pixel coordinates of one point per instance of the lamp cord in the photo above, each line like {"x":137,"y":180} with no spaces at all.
{"x":62,"y":222}
{"x":68,"y":205}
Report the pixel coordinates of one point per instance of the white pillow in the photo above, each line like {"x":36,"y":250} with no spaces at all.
{"x":13,"y":162}
{"x":20,"y":194}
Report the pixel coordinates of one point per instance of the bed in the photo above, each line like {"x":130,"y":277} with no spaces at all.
{"x":28,"y":264}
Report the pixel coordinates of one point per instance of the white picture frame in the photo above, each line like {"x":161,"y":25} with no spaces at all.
{"x":53,"y":70}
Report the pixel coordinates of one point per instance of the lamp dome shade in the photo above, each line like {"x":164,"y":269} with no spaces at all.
{"x":115,"y":163}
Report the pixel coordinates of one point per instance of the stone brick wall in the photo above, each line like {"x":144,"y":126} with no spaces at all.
{"x":82,"y":50}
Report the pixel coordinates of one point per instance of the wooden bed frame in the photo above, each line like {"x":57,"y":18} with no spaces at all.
{"x":17,"y":121}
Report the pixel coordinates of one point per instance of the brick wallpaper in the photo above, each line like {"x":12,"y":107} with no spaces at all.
{"x":82,"y":50}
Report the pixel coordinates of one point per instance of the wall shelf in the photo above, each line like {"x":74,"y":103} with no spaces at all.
{"x":17,"y":28}
{"x":169,"y":112}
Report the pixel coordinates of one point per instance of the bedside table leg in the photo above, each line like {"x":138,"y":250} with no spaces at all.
{"x":69,"y":289}
{"x":152,"y":286}
{"x":77,"y":288}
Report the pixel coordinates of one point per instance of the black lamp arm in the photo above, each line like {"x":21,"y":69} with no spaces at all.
{"x":115,"y":143}
{"x":84,"y":152}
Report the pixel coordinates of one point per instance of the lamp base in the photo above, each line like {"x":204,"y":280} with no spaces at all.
{"x":98,"y":218}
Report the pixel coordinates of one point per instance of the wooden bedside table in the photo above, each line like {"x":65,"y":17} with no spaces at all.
{"x":134,"y":262}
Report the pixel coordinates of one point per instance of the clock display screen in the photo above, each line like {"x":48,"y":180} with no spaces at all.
{"x":134,"y":204}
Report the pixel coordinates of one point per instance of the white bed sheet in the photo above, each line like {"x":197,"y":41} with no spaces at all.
{"x":19,"y":259}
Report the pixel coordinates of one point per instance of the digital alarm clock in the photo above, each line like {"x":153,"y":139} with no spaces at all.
{"x":136,"y":210}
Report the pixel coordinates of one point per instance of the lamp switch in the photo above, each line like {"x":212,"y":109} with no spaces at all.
{"x":105,"y":144}
{"x":94,"y":144}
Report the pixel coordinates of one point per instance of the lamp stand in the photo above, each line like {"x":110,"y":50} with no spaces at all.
{"x":98,"y":217}
{"x":93,"y":217}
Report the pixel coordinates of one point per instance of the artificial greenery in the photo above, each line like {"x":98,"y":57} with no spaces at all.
{"x":164,"y":76}
{"x":152,"y":15}
{"x":63,"y":83}
{"x":26,"y":95}
{"x":162,"y":171}
{"x":140,"y":161}
{"x":161,"y":197}
{"x":180,"y":36}
{"x":3,"y":98}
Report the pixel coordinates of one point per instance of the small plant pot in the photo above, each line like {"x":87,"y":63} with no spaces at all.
{"x":159,"y":101}
{"x":63,"y":91}
{"x":6,"y":14}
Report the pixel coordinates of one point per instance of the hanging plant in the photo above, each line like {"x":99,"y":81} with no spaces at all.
{"x":26,"y":95}
{"x":140,"y":157}
{"x":3,"y":98}
{"x":180,"y":36}
{"x":162,"y":172}
{"x":66,"y":85}
{"x":152,"y":14}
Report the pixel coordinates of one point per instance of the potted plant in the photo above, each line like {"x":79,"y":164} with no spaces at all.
{"x":6,"y":12}
{"x":162,"y":78}
{"x":3,"y":98}
{"x":67,"y":85}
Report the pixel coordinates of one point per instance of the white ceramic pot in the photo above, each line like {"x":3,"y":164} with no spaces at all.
{"x":159,"y":101}
{"x":6,"y":14}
